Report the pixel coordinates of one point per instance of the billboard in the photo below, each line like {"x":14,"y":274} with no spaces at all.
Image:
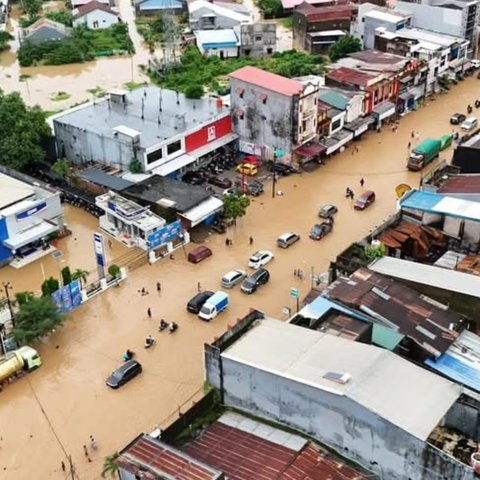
{"x":165,"y":235}
{"x":68,"y":297}
{"x":99,"y":249}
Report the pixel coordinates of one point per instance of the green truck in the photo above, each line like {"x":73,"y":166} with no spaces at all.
{"x":423,"y":154}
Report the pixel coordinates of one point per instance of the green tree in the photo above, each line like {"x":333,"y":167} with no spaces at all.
{"x":135,"y":166}
{"x":62,"y":167}
{"x":49,"y":286}
{"x":61,"y":16}
{"x":270,"y":8}
{"x":343,"y":46}
{"x":371,"y":252}
{"x":235,"y":205}
{"x":194,"y":91}
{"x":23,"y":297}
{"x":66,"y":275}
{"x":5,"y":37}
{"x":110,"y":466}
{"x":31,"y":7}
{"x":81,"y":275}
{"x":36,"y":318}
{"x":114,"y":270}
{"x":23,"y":129}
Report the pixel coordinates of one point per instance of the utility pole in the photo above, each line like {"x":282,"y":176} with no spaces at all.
{"x":71,"y":469}
{"x":274,"y":172}
{"x":7,"y":286}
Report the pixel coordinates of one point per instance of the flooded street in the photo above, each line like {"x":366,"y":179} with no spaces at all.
{"x":39,"y":83}
{"x":51,"y":412}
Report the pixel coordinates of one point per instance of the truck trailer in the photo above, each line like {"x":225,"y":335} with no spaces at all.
{"x":23,"y":359}
{"x":423,"y":154}
{"x":213,"y":306}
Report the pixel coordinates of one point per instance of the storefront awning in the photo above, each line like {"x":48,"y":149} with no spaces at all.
{"x":212,"y":146}
{"x":30,"y":235}
{"x":310,"y":150}
{"x":359,"y":125}
{"x":417,"y":92}
{"x":173,"y":165}
{"x":333,"y":143}
{"x":385,"y":110}
{"x":405,"y":96}
{"x":202,"y":211}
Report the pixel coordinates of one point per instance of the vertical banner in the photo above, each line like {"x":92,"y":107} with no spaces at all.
{"x":75,"y":293}
{"x":99,"y":254}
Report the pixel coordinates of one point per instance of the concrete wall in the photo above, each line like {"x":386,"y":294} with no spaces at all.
{"x":97,"y":19}
{"x":339,"y":422}
{"x":271,"y":124}
{"x":354,"y":108}
{"x":258,"y":39}
{"x":370,"y":25}
{"x":79,"y":145}
{"x":221,"y":22}
{"x":221,"y":52}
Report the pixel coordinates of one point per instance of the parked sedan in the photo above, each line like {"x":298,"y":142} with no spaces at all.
{"x":124,"y":374}
{"x":320,"y":230}
{"x":327,"y":211}
{"x":247,"y":169}
{"x":196,"y":303}
{"x":220,"y":182}
{"x":457,"y":118}
{"x":260,"y":258}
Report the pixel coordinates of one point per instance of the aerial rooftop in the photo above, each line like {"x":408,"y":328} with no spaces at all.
{"x":157,"y":114}
{"x":407,"y":396}
{"x":13,"y":190}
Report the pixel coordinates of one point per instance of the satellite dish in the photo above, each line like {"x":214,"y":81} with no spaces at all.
{"x":401,"y":189}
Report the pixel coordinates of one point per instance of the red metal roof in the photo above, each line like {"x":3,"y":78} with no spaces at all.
{"x":162,"y":460}
{"x":91,"y":6}
{"x":331,"y":12}
{"x":244,"y":456}
{"x":461,"y":184}
{"x":351,"y":76}
{"x":267,"y":80}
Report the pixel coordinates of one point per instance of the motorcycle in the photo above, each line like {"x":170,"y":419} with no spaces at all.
{"x":163,"y":326}
{"x":477,"y":103}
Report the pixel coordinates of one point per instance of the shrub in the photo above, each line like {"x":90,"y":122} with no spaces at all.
{"x":49,"y":286}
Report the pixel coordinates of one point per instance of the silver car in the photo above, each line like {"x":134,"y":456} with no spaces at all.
{"x":232,"y":278}
{"x":287,"y":239}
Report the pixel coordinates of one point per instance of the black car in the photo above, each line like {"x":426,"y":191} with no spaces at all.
{"x":193,"y":178}
{"x":220,"y":182}
{"x":457,"y":118}
{"x":196,"y":303}
{"x":283,"y":168}
{"x":319,"y":230}
{"x":124,"y":374}
{"x":253,"y":281}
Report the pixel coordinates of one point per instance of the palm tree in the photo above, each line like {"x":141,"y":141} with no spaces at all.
{"x":81,"y":275}
{"x":110,"y":467}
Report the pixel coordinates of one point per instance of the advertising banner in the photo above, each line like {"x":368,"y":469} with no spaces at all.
{"x":165,"y":235}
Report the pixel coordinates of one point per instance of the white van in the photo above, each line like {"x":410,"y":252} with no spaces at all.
{"x":469,"y":124}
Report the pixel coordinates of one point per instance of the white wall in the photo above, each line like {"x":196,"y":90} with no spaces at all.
{"x":104,"y":19}
{"x":216,"y":52}
{"x":354,"y":108}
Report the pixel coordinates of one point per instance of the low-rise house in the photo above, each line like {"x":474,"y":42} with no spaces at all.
{"x":289,"y":6}
{"x":95,"y":15}
{"x":78,"y":3}
{"x":158,"y":7}
{"x":258,"y":39}
{"x":316,"y":29}
{"x":204,"y":15}
{"x":218,"y":43}
{"x":407,"y":422}
{"x":272,"y":112}
{"x":45,"y":29}
{"x":370,"y":17}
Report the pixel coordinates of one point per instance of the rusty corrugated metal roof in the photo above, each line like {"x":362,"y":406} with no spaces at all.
{"x":406,"y":310}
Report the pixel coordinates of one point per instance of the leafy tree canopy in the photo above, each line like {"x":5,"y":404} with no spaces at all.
{"x":343,"y":46}
{"x":235,"y":206}
{"x":5,"y":37}
{"x":36,"y":318}
{"x":270,"y":8}
{"x":22,"y":131}
{"x":49,"y":286}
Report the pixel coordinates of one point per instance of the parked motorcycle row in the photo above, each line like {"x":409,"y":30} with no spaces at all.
{"x":76,"y":201}
{"x":208,"y":172}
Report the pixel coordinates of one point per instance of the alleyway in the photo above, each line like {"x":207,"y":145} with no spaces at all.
{"x":56,"y":408}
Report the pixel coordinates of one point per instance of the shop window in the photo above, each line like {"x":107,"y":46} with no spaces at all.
{"x":154,"y":156}
{"x":174,"y":147}
{"x":336,"y":124}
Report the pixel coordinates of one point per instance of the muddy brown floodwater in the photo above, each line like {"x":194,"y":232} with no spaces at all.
{"x":39,"y":83}
{"x":51,"y":412}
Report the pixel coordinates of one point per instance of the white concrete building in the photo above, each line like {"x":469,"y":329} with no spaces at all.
{"x":219,"y":43}
{"x":94,"y":15}
{"x":29,"y":215}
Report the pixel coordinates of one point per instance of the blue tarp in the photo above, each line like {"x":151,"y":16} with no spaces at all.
{"x":424,"y":201}
{"x":456,"y":370}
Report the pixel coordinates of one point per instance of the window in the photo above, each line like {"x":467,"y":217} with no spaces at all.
{"x":247,"y":52}
{"x":154,"y":156}
{"x":174,"y":147}
{"x":336,"y":124}
{"x":269,"y":51}
{"x":258,"y":38}
{"x":240,"y":92}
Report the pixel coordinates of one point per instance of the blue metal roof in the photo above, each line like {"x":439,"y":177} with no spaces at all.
{"x":456,"y":370}
{"x":322,"y":305}
{"x":160,"y":4}
{"x":421,"y":200}
{"x":219,"y":45}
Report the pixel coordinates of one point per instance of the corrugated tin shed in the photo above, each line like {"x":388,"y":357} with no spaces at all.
{"x":99,"y":177}
{"x":460,"y":184}
{"x":351,"y":76}
{"x":394,"y":305}
{"x":245,"y":449}
{"x":461,"y":362}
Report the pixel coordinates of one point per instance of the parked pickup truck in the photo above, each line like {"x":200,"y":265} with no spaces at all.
{"x":23,"y":359}
{"x":213,"y":306}
{"x":423,"y":154}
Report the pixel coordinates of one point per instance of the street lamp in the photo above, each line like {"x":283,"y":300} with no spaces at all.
{"x":274,"y":172}
{"x":7,"y":286}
